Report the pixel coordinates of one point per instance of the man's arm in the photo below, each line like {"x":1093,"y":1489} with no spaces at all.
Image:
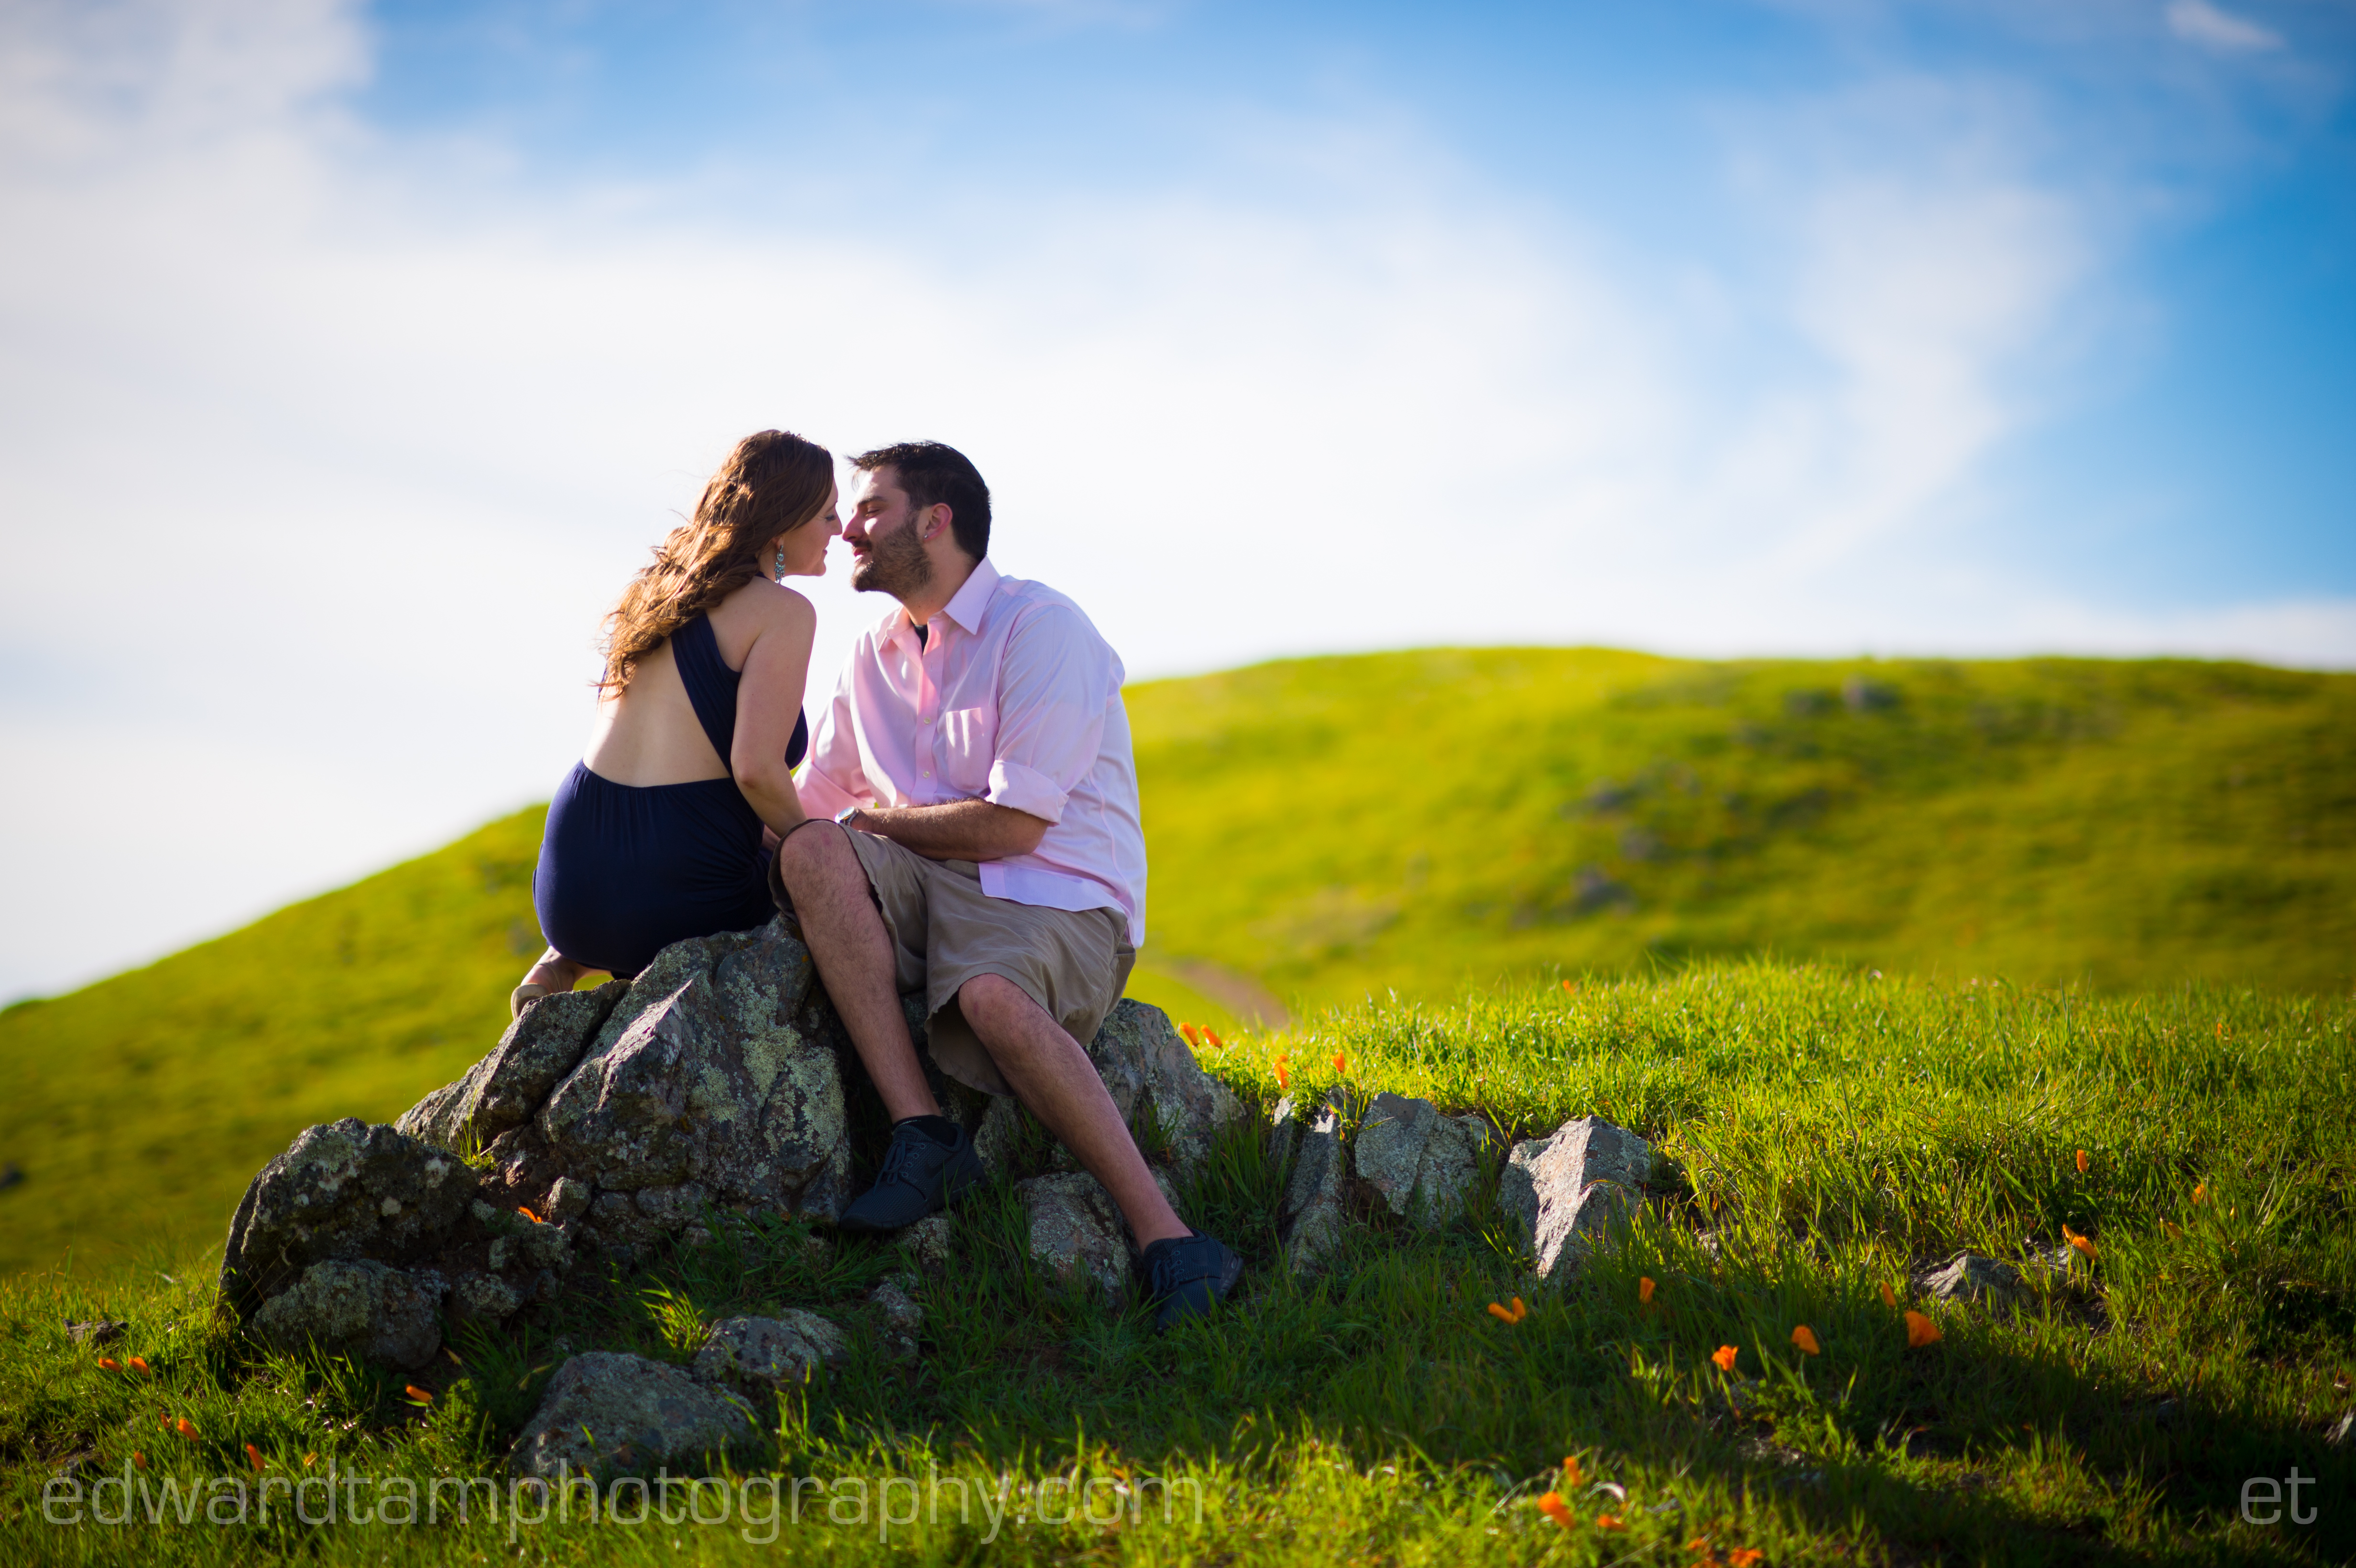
{"x":955,"y":830}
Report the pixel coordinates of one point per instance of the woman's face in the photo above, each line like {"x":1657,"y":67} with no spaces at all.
{"x":804,"y":547}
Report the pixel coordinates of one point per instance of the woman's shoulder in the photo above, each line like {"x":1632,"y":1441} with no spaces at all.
{"x":765,"y":602}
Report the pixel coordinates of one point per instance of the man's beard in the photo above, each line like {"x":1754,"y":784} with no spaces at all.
{"x":895,"y":564}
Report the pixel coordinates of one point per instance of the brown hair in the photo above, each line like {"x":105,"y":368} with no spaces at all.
{"x":773,"y":482}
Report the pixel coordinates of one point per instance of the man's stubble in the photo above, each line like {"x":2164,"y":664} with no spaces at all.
{"x":895,"y":564}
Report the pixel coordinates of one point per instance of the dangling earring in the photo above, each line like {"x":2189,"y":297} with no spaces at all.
{"x":781,"y":563}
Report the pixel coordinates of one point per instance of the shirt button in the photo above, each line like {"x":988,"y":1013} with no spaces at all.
{"x":928,"y":776}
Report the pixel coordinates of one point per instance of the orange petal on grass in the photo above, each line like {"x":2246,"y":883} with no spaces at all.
{"x":1921,"y":1331}
{"x":1645,"y":1287}
{"x":1568,"y":987}
{"x":184,"y":1427}
{"x":1192,"y":1037}
{"x":1744,"y":1557}
{"x":1283,"y":1078}
{"x":1806,"y":1338}
{"x":2201,"y":1192}
{"x":309,"y":1460}
{"x":421,"y":1395}
{"x":1554,"y":1507}
{"x":1888,"y":1297}
{"x":139,"y":1458}
{"x":253,"y":1457}
{"x":528,"y":1214}
{"x":1501,"y":1314}
{"x":1212,"y":1036}
{"x":108,"y":1363}
{"x":1608,"y":1522}
{"x":1571,"y":1474}
{"x":2083,"y":1243}
{"x":1342,"y":1062}
{"x":139,"y":1364}
{"x":2082,"y":1162}
{"x":1520,"y":1311}
{"x":1724,"y":1355}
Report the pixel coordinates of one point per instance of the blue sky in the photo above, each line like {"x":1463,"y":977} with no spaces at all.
{"x":352,"y":356}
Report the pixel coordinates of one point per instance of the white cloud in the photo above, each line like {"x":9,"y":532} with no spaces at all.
{"x":320,"y":455}
{"x":2197,"y":22}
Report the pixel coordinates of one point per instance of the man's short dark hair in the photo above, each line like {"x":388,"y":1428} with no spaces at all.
{"x":932,"y":473}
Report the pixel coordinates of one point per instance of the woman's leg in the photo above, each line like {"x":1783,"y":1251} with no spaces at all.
{"x":554,"y":973}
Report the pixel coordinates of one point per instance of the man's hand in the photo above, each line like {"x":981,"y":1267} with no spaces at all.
{"x":955,"y":830}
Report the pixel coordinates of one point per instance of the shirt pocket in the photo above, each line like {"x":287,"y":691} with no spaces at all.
{"x":966,"y":748}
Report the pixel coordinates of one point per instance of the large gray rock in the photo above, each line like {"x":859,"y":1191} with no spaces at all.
{"x":361,"y":1309}
{"x":1566,"y":1193}
{"x":1307,"y":1137}
{"x":1157,"y":1084}
{"x":1077,"y":1229}
{"x":344,"y":1190}
{"x":1423,"y":1164}
{"x":504,"y":1089}
{"x":605,"y":1413}
{"x":899,"y":1318}
{"x":711,"y":1073}
{"x":762,"y":1355}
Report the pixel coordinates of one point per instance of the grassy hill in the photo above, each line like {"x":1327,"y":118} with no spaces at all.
{"x":1322,"y":829}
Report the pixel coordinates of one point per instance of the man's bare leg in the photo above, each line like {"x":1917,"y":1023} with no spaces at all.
{"x":1057,"y":1081}
{"x":853,"y":955}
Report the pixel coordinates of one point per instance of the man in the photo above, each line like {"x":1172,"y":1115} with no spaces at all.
{"x":983,"y":848}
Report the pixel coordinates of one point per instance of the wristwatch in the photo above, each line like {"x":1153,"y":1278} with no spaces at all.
{"x":846,"y":813}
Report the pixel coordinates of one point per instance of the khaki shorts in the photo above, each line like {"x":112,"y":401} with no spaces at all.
{"x":946,"y":931}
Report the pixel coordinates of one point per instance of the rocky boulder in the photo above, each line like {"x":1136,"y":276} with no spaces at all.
{"x":1566,"y":1193}
{"x":1967,"y":1276}
{"x":1159,"y":1087}
{"x":1424,"y":1165}
{"x":504,"y":1089}
{"x":1077,"y":1229}
{"x":362,"y":1309}
{"x":762,"y":1355}
{"x":345,"y":1191}
{"x":604,"y":1412}
{"x":1307,"y":1138}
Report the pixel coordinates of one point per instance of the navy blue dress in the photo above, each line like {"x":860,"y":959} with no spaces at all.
{"x":625,"y":870}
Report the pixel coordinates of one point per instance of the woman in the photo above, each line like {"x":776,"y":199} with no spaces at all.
{"x":655,"y":835}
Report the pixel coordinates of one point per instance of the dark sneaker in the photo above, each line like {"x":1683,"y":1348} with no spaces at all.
{"x":921,"y":1176}
{"x":1186,"y":1275}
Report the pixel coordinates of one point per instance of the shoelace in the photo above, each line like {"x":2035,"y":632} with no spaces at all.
{"x":899,"y":1157}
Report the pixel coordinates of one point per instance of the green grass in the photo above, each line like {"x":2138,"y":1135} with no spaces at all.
{"x":1403,"y":824}
{"x":1826,"y":1130}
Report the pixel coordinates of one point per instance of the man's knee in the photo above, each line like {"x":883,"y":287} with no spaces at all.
{"x":814,"y":848}
{"x":987,"y":1000}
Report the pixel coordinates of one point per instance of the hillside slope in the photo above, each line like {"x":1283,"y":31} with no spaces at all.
{"x":1327,"y":827}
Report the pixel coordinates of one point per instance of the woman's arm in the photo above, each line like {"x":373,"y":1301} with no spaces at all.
{"x":769,"y":704}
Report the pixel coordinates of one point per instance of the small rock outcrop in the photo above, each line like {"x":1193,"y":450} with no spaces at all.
{"x":504,"y":1089}
{"x":1967,"y":1276}
{"x":1308,"y":1138}
{"x":1565,"y":1193}
{"x":1076,"y":1228}
{"x":759,"y":1356}
{"x":899,"y":1318}
{"x":362,"y":1309}
{"x":1423,"y":1164}
{"x":345,"y":1191}
{"x":604,"y":1412}
{"x":1158,"y":1086}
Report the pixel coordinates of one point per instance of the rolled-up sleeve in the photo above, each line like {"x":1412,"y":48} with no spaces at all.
{"x":1054,"y":686}
{"x":831,"y":777}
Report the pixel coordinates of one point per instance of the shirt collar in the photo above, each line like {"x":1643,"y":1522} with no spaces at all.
{"x":973,"y":601}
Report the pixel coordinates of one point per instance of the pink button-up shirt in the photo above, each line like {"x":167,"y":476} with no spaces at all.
{"x":1013,"y":699}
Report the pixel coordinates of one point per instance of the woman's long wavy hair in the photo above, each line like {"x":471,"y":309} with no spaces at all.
{"x":774,"y":482}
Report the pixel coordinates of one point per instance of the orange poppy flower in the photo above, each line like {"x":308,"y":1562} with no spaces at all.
{"x":2083,"y":1243}
{"x":1888,"y":1297}
{"x":1921,"y":1331}
{"x":1744,"y":1557}
{"x":528,"y":1214}
{"x":1724,"y":1355}
{"x":1192,"y":1037}
{"x":2082,"y":1162}
{"x":108,"y":1363}
{"x":1520,"y":1311}
{"x":1571,"y":1474}
{"x":1608,"y":1522}
{"x":309,"y":1460}
{"x":1341,"y":1063}
{"x":421,"y":1395}
{"x":139,"y":1458}
{"x":1644,"y":1288}
{"x":1554,"y":1507}
{"x":1568,"y":987}
{"x":1283,"y":1077}
{"x":2201,"y":1192}
{"x":184,"y":1427}
{"x":139,"y":1364}
{"x":1500,"y":1313}
{"x":1212,"y":1036}
{"x":1806,"y":1338}
{"x":253,"y":1457}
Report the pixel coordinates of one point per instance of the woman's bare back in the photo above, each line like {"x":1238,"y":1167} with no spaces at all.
{"x":650,"y":735}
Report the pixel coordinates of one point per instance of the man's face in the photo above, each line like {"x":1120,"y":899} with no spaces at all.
{"x":887,"y":554}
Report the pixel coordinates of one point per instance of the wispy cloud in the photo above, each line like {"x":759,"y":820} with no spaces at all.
{"x":2197,"y":22}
